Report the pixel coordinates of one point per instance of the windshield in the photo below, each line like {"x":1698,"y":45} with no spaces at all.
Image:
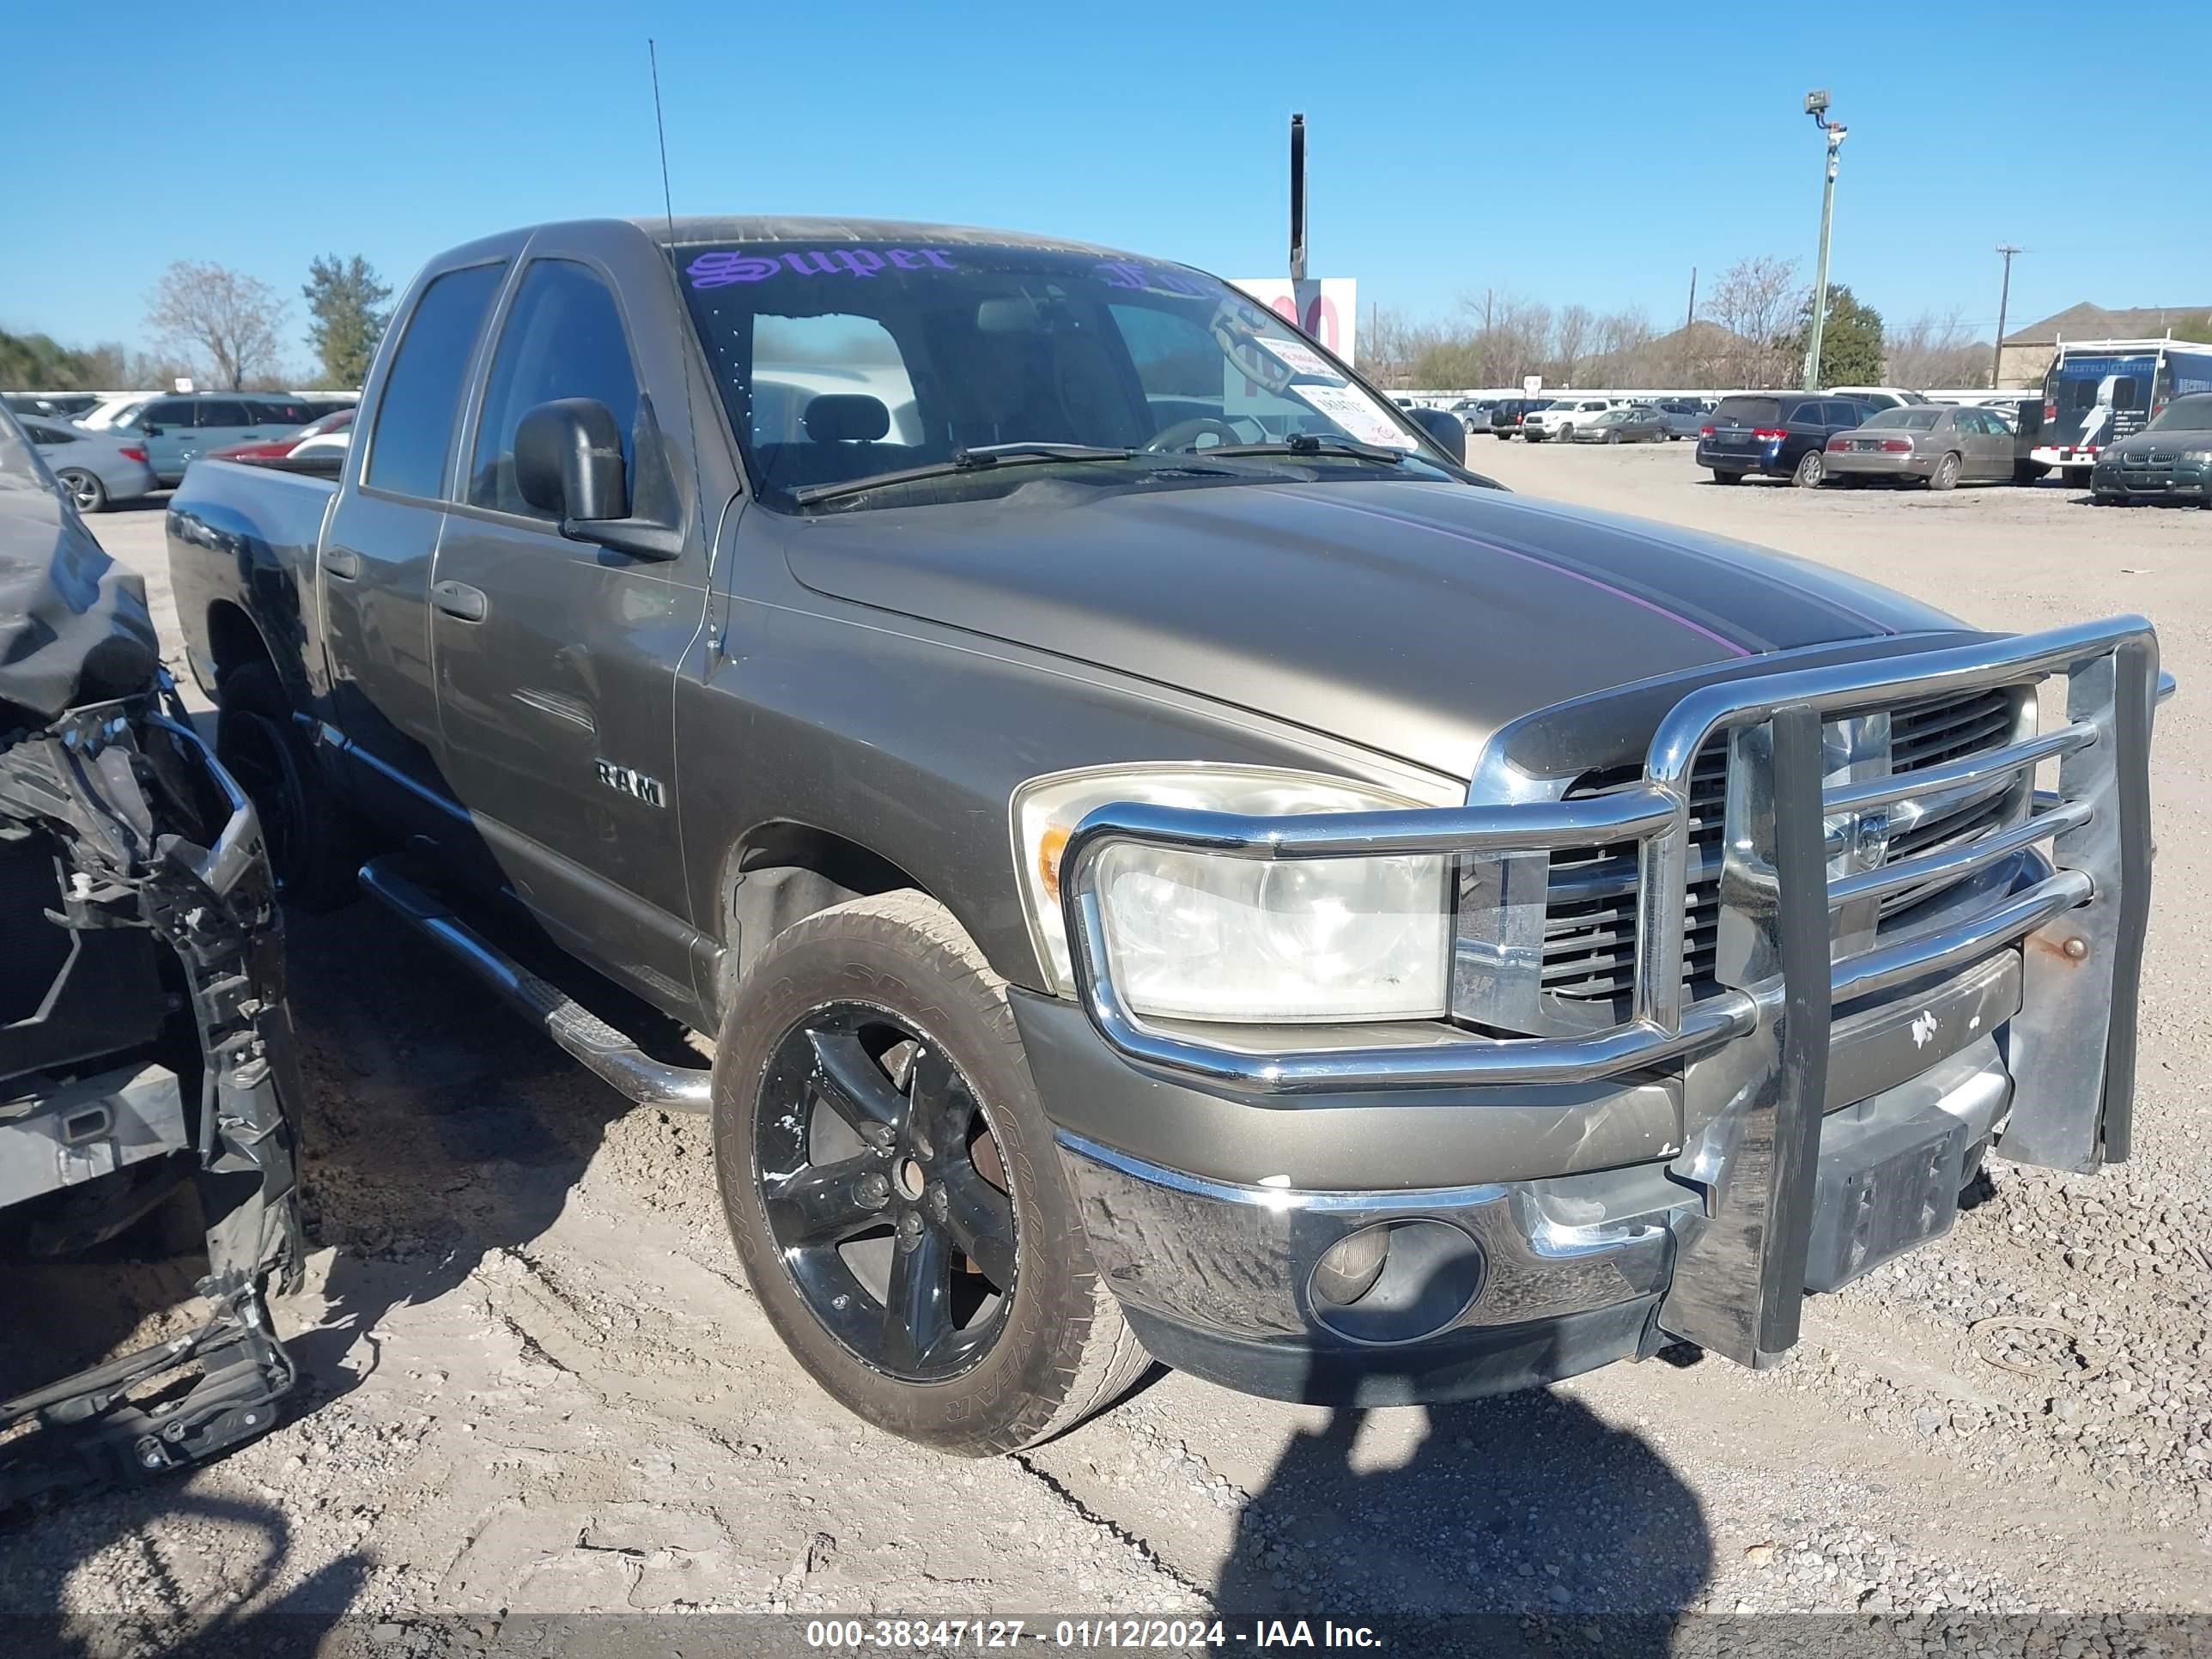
{"x":1915,"y":420}
{"x":2191,"y":414}
{"x":844,"y":364}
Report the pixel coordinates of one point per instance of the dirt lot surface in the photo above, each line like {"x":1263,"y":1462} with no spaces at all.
{"x":537,"y":1387}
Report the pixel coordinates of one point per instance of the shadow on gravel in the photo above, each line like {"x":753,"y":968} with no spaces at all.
{"x":1523,"y":1523}
{"x":442,"y":1130}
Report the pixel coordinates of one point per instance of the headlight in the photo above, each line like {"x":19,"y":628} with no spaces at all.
{"x":2202,"y":455}
{"x":1208,"y":937}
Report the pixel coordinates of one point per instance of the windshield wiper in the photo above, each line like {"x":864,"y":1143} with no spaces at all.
{"x":1308,"y":443}
{"x":972,"y":459}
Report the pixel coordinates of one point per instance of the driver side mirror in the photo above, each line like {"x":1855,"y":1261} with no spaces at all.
{"x":569,"y":462}
{"x":1445,"y":428}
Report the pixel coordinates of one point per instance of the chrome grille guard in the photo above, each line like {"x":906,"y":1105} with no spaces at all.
{"x":1740,"y":1268}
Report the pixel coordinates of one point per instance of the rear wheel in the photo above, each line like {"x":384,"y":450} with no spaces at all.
{"x":312,"y":838}
{"x":1812,"y":468}
{"x":84,"y":489}
{"x":890,"y":1178}
{"x":1945,"y":474}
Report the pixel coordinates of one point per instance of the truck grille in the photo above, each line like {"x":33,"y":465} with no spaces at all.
{"x":1590,"y":918}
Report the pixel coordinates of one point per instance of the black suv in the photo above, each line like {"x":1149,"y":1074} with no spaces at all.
{"x":1507,"y":413}
{"x":1782,"y":434}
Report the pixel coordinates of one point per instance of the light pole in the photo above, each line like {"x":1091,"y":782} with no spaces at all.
{"x":2004,"y":298}
{"x":1816,"y":105}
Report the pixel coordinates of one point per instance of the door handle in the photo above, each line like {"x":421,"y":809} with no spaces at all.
{"x":341,"y":561}
{"x":459,"y":599}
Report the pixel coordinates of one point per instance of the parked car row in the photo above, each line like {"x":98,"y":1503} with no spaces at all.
{"x":100,"y":446}
{"x":1581,"y":418}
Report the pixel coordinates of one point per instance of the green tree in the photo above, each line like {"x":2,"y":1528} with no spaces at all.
{"x":346,"y":316}
{"x":1852,"y":349}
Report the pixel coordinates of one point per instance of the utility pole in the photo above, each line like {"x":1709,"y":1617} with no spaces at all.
{"x":1298,"y":198}
{"x":1816,"y":105}
{"x":2004,"y":298}
{"x":1689,"y":325}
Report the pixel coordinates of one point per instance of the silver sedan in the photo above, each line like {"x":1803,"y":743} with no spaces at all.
{"x":96,"y":468}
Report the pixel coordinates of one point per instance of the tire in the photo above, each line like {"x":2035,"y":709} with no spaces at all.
{"x":2028,"y":473}
{"x":1721,"y":477}
{"x":1612,"y":437}
{"x":1038,"y":1355}
{"x":1945,"y":475}
{"x":2074,"y":478}
{"x":1565,"y":435}
{"x":313,"y":839}
{"x":84,"y":489}
{"x":1811,"y":470}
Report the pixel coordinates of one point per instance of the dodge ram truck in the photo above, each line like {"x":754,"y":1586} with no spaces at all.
{"x":1171,"y":863}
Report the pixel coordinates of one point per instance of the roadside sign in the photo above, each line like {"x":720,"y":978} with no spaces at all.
{"x":1532,"y":384}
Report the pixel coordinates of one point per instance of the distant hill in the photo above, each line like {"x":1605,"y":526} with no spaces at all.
{"x":2086,"y":321}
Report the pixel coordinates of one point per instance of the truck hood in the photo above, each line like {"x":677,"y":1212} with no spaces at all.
{"x":1411,"y":618}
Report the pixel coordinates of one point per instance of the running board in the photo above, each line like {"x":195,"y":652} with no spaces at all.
{"x":609,"y":1053}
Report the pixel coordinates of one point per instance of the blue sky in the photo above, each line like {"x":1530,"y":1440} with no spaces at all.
{"x":1589,"y":154}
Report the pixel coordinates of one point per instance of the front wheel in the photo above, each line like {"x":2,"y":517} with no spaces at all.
{"x":2074,"y":478}
{"x":1565,"y":435}
{"x":890,"y":1178}
{"x":84,"y":489}
{"x":1812,"y":469}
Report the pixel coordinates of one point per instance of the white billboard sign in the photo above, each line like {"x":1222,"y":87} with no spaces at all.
{"x":1326,"y":307}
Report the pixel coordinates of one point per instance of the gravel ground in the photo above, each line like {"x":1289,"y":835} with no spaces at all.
{"x":538,"y":1390}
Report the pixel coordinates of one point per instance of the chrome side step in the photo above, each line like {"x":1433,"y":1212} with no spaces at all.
{"x":609,"y":1053}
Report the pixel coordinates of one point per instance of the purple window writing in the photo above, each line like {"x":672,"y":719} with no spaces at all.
{"x":721,"y":268}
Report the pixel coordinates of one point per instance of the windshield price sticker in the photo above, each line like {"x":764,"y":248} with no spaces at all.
{"x":1355,"y":415}
{"x":1303,"y":359}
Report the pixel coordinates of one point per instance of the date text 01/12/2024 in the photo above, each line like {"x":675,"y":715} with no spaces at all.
{"x":948,"y":1634}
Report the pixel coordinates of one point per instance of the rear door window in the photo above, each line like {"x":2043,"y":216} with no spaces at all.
{"x":414,"y":429}
{"x":224,"y":412}
{"x":562,"y":338}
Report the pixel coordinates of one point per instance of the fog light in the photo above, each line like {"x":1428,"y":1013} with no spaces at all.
{"x":1352,"y":1265}
{"x":1395,"y":1281}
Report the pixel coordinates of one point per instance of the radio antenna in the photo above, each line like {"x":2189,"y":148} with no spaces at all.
{"x":660,"y":131}
{"x":711,"y":533}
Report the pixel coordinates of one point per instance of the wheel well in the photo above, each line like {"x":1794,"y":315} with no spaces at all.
{"x":233,"y":640}
{"x":782,"y":872}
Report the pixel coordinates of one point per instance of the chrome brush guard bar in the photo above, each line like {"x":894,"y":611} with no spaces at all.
{"x":1739,"y":1267}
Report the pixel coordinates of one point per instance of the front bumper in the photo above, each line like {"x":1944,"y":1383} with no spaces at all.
{"x":1723,"y":1098}
{"x":1483,"y":1288}
{"x":2178,"y":481}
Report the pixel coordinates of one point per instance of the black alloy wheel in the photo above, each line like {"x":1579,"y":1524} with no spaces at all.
{"x":885,"y":1193}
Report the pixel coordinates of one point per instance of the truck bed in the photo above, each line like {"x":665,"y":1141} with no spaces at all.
{"x":236,"y":529}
